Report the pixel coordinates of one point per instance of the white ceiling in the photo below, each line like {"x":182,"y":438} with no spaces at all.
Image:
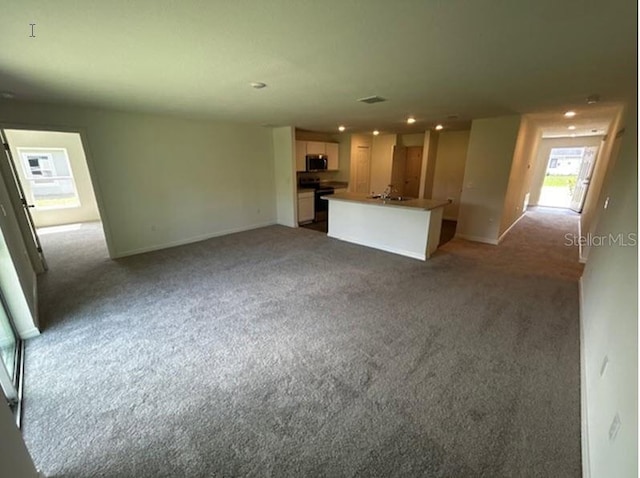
{"x":429,"y":58}
{"x":590,"y":120}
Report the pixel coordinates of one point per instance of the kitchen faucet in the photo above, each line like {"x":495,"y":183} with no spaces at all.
{"x":386,"y":194}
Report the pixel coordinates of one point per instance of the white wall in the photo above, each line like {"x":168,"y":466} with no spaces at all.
{"x":542,"y":159}
{"x":590,"y":210}
{"x":14,"y":457}
{"x":609,"y":317}
{"x":285,"y":176}
{"x":521,"y":174}
{"x":429,"y":153}
{"x":492,"y":145}
{"x":165,"y":180}
{"x":448,"y":176}
{"x":381,"y":161}
{"x":88,"y":209}
{"x":413,"y":139}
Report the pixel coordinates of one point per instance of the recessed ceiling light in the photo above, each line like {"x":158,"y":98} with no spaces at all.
{"x":411,"y":120}
{"x":341,"y":128}
{"x":572,"y":127}
{"x":439,"y":127}
{"x":376,"y":132}
{"x":569,"y":114}
{"x":7,"y":95}
{"x":258,"y":85}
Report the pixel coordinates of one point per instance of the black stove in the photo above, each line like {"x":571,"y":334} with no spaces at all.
{"x":321,"y":206}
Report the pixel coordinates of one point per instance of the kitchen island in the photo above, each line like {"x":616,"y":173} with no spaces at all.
{"x":409,"y":227}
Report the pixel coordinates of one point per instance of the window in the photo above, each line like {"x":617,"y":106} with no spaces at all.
{"x":49,"y":178}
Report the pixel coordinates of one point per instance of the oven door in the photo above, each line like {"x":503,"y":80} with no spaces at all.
{"x":321,"y":205}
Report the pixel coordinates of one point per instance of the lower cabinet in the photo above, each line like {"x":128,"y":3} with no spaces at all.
{"x":306,"y":209}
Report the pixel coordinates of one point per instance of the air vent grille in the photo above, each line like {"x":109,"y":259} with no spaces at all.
{"x":372,"y":99}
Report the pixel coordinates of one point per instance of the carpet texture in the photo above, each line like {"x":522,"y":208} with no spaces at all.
{"x":281,"y":352}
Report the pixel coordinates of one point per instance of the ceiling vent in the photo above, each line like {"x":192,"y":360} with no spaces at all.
{"x":372,"y":99}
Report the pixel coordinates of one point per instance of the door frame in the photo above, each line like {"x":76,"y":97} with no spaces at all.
{"x":90,"y":166}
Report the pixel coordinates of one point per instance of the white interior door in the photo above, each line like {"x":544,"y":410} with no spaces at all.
{"x":363,"y":169}
{"x":584,"y":178}
{"x":21,"y":207}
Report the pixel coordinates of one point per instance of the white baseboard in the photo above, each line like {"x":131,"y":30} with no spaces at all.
{"x":29,"y":333}
{"x":581,"y":257}
{"x":586,"y":470}
{"x":502,"y":236}
{"x":182,"y":242}
{"x":485,"y":240}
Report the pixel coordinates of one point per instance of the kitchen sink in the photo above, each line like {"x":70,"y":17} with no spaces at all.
{"x":389,"y":198}
{"x":398,"y":198}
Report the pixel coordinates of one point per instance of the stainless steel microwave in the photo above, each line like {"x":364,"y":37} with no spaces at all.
{"x":316,"y":162}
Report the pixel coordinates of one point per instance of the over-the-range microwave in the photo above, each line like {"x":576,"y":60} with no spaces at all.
{"x":316,"y":162}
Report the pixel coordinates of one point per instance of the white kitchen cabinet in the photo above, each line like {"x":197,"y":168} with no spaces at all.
{"x":306,"y":207}
{"x":316,"y":147}
{"x":301,"y":152}
{"x":331,"y":150}
{"x":332,"y":155}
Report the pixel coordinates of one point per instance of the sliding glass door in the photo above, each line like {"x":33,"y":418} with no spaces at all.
{"x":9,"y":356}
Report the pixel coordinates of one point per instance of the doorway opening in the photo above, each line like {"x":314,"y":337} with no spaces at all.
{"x":405,"y":170}
{"x":567,"y":177}
{"x":51,"y":169}
{"x":48,"y":190}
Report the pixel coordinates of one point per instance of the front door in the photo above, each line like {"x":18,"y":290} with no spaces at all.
{"x":584,"y":178}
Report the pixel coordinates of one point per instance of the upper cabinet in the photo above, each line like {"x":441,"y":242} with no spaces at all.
{"x":332,"y":155}
{"x":301,"y":152}
{"x":317,"y":147}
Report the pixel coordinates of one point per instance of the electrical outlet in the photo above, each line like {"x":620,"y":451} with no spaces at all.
{"x":615,"y":427}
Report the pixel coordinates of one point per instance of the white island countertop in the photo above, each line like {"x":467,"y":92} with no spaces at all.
{"x":424,"y":204}
{"x":409,"y":228}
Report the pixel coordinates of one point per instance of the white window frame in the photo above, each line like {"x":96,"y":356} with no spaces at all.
{"x":24,"y":152}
